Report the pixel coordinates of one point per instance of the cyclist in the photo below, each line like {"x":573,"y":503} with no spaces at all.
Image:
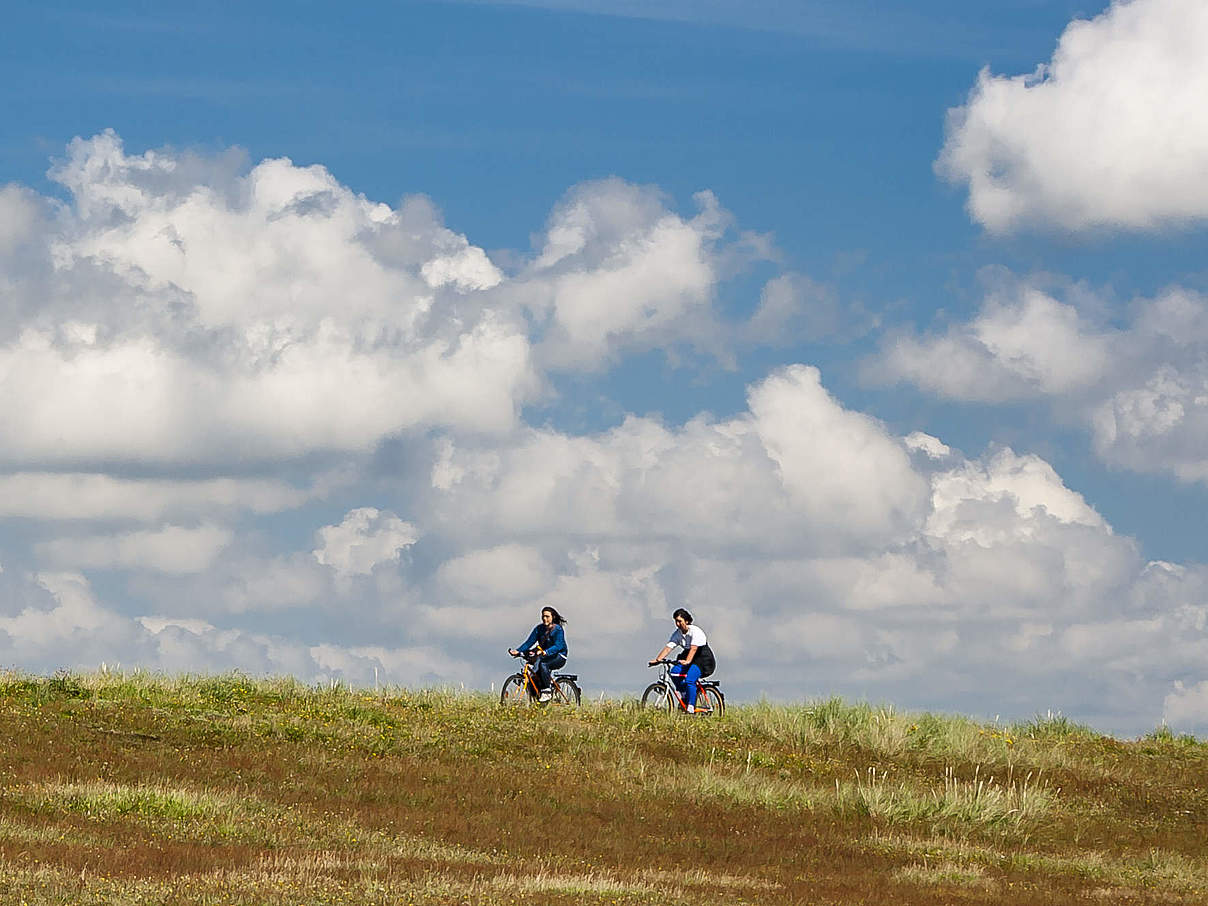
{"x":546,"y":649}
{"x":697,"y":660}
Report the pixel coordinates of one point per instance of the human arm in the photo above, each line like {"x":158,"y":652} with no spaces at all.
{"x":527,"y":643}
{"x":557,"y":642}
{"x":662,"y":654}
{"x":688,"y":655}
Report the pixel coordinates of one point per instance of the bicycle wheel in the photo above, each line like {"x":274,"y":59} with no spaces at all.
{"x":712,"y":699}
{"x":566,"y":693}
{"x":514,"y":692}
{"x":656,"y":698}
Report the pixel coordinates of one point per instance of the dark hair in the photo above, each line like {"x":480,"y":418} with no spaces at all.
{"x":680,"y":612}
{"x":558,"y":618}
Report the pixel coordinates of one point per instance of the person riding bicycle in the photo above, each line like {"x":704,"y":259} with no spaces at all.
{"x":546,"y":649}
{"x":697,"y":660}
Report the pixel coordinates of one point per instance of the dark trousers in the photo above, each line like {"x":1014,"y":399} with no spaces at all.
{"x":543,"y":666}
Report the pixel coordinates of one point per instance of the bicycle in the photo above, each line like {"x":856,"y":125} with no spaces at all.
{"x":521,"y":688}
{"x":662,"y":694}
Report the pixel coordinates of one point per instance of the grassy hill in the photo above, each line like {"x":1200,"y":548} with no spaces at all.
{"x":228,"y":790}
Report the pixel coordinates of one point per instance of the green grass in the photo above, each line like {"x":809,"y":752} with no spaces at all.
{"x":140,"y":788}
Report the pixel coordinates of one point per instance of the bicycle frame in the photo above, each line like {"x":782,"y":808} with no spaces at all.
{"x":671,"y":690}
{"x":530,"y":681}
{"x":563,"y":686}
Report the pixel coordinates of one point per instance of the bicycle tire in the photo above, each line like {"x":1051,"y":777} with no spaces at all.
{"x":715,"y":702}
{"x":567,"y":693}
{"x":514,"y":692}
{"x":655,"y":698}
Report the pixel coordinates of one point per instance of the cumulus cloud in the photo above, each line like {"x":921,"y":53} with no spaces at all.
{"x":1111,"y":132}
{"x":57,"y":622}
{"x":942,"y":576}
{"x":619,"y":271}
{"x":507,"y":572}
{"x":183,"y":309}
{"x":366,"y":538}
{"x":1139,"y":383}
{"x":179,"y":309}
{"x":171,"y":549}
{"x":907,"y":570}
{"x":795,"y":308}
{"x":184,"y":332}
{"x":1023,"y":344}
{"x":97,"y":496}
{"x":797,"y":464}
{"x":1187,"y":706}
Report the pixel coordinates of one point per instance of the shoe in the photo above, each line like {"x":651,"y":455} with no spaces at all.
{"x":692,"y":709}
{"x":545,"y":695}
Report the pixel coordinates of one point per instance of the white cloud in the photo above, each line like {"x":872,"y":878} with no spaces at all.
{"x":618,"y":271}
{"x":841,"y":468}
{"x":1023,"y":344}
{"x":171,"y":549}
{"x":1139,"y":385}
{"x":507,"y":572}
{"x":1112,"y":131}
{"x":183,"y":309}
{"x":84,"y":496}
{"x":58,"y":607}
{"x":1187,"y":706}
{"x":794,"y":308}
{"x":974,"y":570}
{"x":797,"y":470}
{"x":875,"y":573}
{"x":184,"y":316}
{"x":63,"y":625}
{"x":1162,"y":424}
{"x":180,"y":310}
{"x":366,"y":538}
{"x":1027,"y":484}
{"x":21,"y":217}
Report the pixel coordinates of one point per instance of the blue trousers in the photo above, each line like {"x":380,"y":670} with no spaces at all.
{"x":543,"y":666}
{"x":685,"y":681}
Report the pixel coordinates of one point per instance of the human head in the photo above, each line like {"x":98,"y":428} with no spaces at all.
{"x":555,"y":617}
{"x":680,"y":612}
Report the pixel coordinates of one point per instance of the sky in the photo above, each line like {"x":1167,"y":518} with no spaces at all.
{"x":335,"y":344}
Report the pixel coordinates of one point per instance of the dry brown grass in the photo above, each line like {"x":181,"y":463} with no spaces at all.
{"x":224,"y":790}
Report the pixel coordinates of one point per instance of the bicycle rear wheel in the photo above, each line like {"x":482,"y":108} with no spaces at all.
{"x":567,"y":693}
{"x":713,"y":700}
{"x":656,"y":698}
{"x":514,"y":692}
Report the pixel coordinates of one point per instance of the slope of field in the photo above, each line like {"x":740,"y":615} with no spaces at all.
{"x":227,"y":790}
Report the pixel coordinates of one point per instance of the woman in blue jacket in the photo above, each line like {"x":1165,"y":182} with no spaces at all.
{"x":546,"y":646}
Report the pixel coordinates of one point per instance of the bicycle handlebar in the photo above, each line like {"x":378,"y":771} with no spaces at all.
{"x":538,"y":650}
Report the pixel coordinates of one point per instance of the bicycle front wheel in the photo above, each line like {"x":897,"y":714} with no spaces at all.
{"x":567,"y":693}
{"x":656,"y":698}
{"x":514,"y":692}
{"x":712,"y":699}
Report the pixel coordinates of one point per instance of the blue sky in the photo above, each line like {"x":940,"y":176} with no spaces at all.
{"x":1022,"y":283}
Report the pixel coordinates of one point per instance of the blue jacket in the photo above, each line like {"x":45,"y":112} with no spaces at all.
{"x":552,"y":640}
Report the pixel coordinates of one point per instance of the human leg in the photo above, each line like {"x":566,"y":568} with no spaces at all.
{"x":676,"y":672}
{"x":545,"y":666}
{"x":691,"y":675}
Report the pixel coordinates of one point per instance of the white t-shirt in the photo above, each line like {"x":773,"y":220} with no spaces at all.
{"x":694,"y":636}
